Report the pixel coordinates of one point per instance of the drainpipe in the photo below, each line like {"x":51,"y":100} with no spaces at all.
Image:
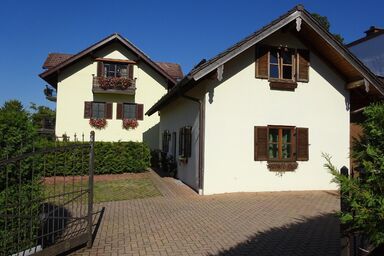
{"x":201,"y":140}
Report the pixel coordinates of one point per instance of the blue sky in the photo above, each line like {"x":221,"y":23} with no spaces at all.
{"x":176,"y":31}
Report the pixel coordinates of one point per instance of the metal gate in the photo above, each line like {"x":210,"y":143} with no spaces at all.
{"x":46,"y":199}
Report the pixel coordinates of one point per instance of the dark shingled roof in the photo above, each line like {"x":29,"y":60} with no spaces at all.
{"x":172,"y":69}
{"x":54,"y":59}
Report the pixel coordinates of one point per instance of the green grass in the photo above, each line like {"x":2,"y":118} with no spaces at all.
{"x":112,"y":190}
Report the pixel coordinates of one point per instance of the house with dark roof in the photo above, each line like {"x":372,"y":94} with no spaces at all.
{"x":108,"y":86}
{"x":259,"y":116}
{"x":370,"y":50}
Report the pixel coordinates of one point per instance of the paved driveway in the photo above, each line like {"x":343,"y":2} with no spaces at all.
{"x":182,"y":223}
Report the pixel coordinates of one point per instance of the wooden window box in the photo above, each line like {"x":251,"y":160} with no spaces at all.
{"x":282,"y":166}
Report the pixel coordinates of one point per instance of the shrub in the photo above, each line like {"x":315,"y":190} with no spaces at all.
{"x":110,"y":158}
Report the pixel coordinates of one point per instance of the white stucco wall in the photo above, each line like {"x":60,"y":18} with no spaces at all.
{"x":176,"y":115}
{"x":241,"y":102}
{"x":75,"y":87}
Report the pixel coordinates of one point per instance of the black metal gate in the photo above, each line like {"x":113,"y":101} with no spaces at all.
{"x":46,"y":199}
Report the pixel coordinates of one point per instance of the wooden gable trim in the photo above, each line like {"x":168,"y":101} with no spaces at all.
{"x":116,"y":60}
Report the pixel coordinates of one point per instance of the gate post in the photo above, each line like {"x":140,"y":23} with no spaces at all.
{"x":345,"y":239}
{"x":90,"y":186}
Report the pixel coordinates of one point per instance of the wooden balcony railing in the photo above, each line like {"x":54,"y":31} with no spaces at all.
{"x":116,"y":85}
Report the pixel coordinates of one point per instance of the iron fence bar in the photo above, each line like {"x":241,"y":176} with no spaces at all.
{"x":90,"y":188}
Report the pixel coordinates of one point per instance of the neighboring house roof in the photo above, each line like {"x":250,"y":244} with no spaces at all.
{"x":370,"y":50}
{"x":56,"y":62}
{"x":54,"y":59}
{"x":311,"y":33}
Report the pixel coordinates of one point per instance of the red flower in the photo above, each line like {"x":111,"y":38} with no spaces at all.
{"x":120,"y":83}
{"x":98,"y":123}
{"x":130,"y":123}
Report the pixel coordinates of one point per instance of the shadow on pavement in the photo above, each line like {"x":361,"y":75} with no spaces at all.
{"x":319,"y":235}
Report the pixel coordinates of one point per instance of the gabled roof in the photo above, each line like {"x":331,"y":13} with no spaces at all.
{"x":50,"y":75}
{"x":54,"y":59}
{"x":370,"y":35}
{"x":311,"y":33}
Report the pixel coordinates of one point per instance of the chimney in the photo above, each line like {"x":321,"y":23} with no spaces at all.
{"x":372,"y":30}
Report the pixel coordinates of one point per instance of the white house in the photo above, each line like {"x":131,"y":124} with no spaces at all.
{"x":258,"y":116}
{"x":105,"y":84}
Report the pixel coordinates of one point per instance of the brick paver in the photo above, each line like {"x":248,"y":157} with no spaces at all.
{"x":183,"y":223}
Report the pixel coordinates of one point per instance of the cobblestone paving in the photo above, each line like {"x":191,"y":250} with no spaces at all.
{"x":183,"y":223}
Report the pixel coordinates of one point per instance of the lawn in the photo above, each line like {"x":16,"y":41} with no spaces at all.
{"x":110,"y":190}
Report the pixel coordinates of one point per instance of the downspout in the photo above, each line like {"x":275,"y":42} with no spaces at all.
{"x":201,"y":140}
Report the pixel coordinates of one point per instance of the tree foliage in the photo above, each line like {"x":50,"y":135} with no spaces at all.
{"x":16,"y":129}
{"x":42,"y":116}
{"x":364,"y":195}
{"x":324,"y":22}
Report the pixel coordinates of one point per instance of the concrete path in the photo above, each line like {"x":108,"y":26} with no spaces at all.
{"x":183,"y":223}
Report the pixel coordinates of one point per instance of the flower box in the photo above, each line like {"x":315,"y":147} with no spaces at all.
{"x":130,"y":123}
{"x":98,"y":123}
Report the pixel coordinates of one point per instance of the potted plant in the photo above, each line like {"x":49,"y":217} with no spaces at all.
{"x":130,"y":123}
{"x":98,"y":123}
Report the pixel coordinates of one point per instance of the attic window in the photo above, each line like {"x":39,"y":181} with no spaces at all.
{"x":282,"y":66}
{"x":114,"y":69}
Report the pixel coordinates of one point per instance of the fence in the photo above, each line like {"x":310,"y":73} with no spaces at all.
{"x":46,"y":199}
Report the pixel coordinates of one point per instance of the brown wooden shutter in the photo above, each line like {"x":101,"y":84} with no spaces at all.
{"x":302,"y":150}
{"x":181,"y":141}
{"x":262,"y":62}
{"x":302,"y":65}
{"x":130,"y":71}
{"x":87,"y":109}
{"x":108,"y":113}
{"x":119,"y":111}
{"x":100,"y":69}
{"x":261,"y":143}
{"x":140,"y":111}
{"x":188,"y":141}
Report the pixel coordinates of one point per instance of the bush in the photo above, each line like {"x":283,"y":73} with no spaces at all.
{"x":364,"y":195}
{"x":110,"y":158}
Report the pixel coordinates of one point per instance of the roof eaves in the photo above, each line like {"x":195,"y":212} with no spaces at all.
{"x":343,"y":50}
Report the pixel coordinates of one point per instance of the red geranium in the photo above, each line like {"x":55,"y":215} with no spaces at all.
{"x":98,"y":123}
{"x":130,"y":123}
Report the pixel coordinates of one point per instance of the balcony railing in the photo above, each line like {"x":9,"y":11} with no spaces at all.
{"x":116,"y":85}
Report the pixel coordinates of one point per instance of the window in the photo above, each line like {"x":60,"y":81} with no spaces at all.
{"x":185,"y":141}
{"x":165,"y":141}
{"x":130,"y":111}
{"x":115,"y":70}
{"x":281,"y":143}
{"x":282,"y":66}
{"x":97,"y":110}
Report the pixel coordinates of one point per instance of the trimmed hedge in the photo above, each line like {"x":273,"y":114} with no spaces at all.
{"x":110,"y":158}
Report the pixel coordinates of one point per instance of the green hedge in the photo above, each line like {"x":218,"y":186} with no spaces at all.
{"x":110,"y":158}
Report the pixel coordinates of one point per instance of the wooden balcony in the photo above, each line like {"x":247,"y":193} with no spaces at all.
{"x":114,"y":85}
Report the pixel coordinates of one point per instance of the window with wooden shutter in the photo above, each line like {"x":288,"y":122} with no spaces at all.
{"x":100,"y":69}
{"x":302,"y":150}
{"x":108,"y":112}
{"x":302,"y":72}
{"x":185,"y":142}
{"x":119,"y":111}
{"x":261,"y":143}
{"x":165,"y":141}
{"x":282,"y":66}
{"x":87,"y":109}
{"x":140,"y":111}
{"x":280,"y":143}
{"x":262,"y":62}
